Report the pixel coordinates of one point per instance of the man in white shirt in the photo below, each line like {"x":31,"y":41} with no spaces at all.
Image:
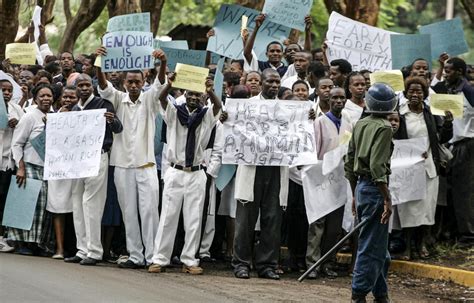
{"x":7,"y":165}
{"x":133,"y":156}
{"x":188,"y":129}
{"x":301,"y":63}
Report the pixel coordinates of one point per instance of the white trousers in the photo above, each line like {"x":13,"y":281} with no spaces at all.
{"x":88,"y":201}
{"x":210,"y":228}
{"x":138,"y":195}
{"x":184,"y":190}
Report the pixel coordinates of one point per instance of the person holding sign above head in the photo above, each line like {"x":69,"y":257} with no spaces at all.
{"x":274,"y":52}
{"x":462,"y":164}
{"x":329,"y":129}
{"x":30,"y":165}
{"x":354,"y":87}
{"x":133,"y":156}
{"x":367,"y":167}
{"x":188,"y":129}
{"x":416,"y":121}
{"x":89,"y":194}
{"x":7,"y":165}
{"x":260,"y":190}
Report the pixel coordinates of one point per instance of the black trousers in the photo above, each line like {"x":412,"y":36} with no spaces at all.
{"x":267,"y":204}
{"x":5,"y":178}
{"x":297,"y":222}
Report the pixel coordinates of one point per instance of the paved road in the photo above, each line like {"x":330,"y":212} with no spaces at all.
{"x":35,"y":279}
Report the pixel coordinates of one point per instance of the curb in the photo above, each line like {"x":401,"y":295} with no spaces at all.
{"x":435,"y":272}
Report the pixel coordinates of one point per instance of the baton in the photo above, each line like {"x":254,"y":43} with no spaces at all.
{"x":334,"y":249}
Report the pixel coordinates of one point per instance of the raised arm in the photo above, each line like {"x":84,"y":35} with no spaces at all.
{"x":163,"y":97}
{"x":215,"y":100}
{"x":159,"y":54}
{"x":442,"y":58}
{"x":308,"y":22}
{"x":101,"y":51}
{"x":209,"y":34}
{"x":251,"y":40}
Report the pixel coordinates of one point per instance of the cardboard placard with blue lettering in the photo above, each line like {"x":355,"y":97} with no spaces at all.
{"x":178,"y":44}
{"x":407,"y":48}
{"x":227,"y":40}
{"x":127,"y":51}
{"x":185,"y":56}
{"x":132,"y":22}
{"x":446,"y":37}
{"x":290,"y":13}
{"x":21,"y":204}
{"x":3,"y":113}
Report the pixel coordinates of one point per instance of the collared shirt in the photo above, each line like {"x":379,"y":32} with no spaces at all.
{"x":85,"y":103}
{"x":288,"y":82}
{"x":370,"y":150}
{"x":30,"y":126}
{"x":6,"y":135}
{"x":176,"y":135}
{"x":134,"y":146}
{"x":354,"y":111}
{"x":257,"y":65}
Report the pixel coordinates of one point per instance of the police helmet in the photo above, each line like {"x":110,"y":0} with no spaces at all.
{"x":380,"y":99}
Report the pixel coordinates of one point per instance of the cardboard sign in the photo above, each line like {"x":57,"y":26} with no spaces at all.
{"x":132,"y":22}
{"x":364,"y":46}
{"x":74,"y":144}
{"x":446,"y":36}
{"x":268,"y":133}
{"x":289,"y":13}
{"x":407,"y":48}
{"x":127,"y":51}
{"x":227,"y":41}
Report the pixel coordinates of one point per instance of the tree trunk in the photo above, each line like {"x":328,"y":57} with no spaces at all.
{"x":8,"y":23}
{"x":47,"y":11}
{"x":255,"y":4}
{"x":87,"y":13}
{"x":122,"y":7}
{"x":154,"y":7}
{"x":366,"y":11}
{"x":469,"y":7}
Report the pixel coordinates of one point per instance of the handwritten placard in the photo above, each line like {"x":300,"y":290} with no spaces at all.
{"x":439,"y":103}
{"x":177,"y":44}
{"x":21,"y":204}
{"x":394,"y":78}
{"x":73,"y":144}
{"x":227,"y":27}
{"x":21,"y":53}
{"x":127,"y":51}
{"x":446,"y":36}
{"x":191,"y":78}
{"x":190,"y":57}
{"x":290,"y":13}
{"x":323,"y":194}
{"x":268,"y":133}
{"x":132,"y":22}
{"x":407,"y":48}
{"x":364,"y":46}
{"x":408,"y":177}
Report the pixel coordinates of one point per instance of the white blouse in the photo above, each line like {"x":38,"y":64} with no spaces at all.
{"x":30,"y":126}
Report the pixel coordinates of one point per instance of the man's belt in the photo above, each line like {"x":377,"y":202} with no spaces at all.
{"x":187,"y":168}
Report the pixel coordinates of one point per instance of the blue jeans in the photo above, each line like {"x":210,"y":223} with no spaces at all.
{"x":373,"y":258}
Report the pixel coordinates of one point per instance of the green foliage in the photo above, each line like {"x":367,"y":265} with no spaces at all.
{"x":389,"y":11}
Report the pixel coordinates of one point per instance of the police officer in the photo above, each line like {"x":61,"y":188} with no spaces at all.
{"x":367,"y":168}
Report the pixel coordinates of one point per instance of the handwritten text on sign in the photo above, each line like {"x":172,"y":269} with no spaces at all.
{"x":73,"y":144}
{"x":227,"y":40}
{"x":290,"y":13}
{"x":132,"y":22}
{"x":268,"y":133}
{"x":127,"y":51}
{"x":364,"y":46}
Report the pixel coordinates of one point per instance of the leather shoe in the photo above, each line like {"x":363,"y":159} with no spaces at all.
{"x":331,"y":274}
{"x":313,"y":275}
{"x":242,"y":273}
{"x":74,"y":259}
{"x":129,"y":265}
{"x":89,"y":262}
{"x":269,"y":274}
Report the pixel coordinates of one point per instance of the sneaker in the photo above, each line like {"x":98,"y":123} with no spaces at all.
{"x":122,"y":259}
{"x":156,"y":269}
{"x":4,"y":247}
{"x":193,"y":270}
